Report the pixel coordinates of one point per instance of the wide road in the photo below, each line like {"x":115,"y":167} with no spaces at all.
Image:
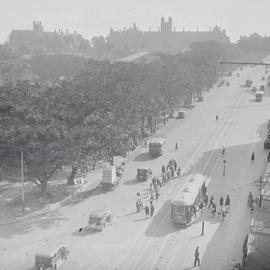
{"x":135,"y":242}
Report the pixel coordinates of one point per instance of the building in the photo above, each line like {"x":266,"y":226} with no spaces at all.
{"x":166,"y":39}
{"x":37,"y":40}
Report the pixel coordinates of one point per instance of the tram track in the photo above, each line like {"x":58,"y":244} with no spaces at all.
{"x":211,"y":133}
{"x":125,"y":252}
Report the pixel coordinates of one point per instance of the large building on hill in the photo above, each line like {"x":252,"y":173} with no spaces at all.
{"x":166,"y":39}
{"x":37,"y":40}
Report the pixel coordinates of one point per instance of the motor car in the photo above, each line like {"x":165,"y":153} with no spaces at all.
{"x":254,"y":89}
{"x":45,"y":259}
{"x":181,"y":115}
{"x":144,"y":174}
{"x":200,"y":98}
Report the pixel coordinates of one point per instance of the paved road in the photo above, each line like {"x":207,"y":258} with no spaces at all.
{"x":134,"y":242}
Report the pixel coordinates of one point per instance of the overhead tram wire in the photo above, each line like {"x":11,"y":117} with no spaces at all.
{"x":244,"y":63}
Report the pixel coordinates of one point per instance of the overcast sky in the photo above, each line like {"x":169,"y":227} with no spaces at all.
{"x":95,"y":17}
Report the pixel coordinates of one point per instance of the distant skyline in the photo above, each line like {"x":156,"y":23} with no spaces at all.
{"x":93,"y":18}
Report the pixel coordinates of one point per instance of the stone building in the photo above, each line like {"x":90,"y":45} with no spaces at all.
{"x":166,"y":39}
{"x":40,"y":41}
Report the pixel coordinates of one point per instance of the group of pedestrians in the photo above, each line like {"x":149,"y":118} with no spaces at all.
{"x":224,"y":206}
{"x":171,"y":171}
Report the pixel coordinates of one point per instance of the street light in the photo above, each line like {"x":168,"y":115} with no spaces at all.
{"x":22,"y":179}
{"x":224,"y":166}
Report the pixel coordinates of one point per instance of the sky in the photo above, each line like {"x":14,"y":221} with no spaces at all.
{"x":95,"y":17}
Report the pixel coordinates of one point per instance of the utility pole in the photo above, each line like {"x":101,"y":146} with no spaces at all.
{"x":22,"y":180}
{"x":224,"y":166}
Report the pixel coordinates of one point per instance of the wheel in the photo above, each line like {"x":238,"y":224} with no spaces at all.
{"x":41,"y":267}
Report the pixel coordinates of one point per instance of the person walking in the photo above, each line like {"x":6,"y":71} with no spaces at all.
{"x":214,"y":209}
{"x":211,"y":201}
{"x":176,"y":146}
{"x":253,"y":156}
{"x":227,"y":203}
{"x":163,"y":169}
{"x":178,"y":171}
{"x":223,"y":213}
{"x":205,"y":199}
{"x":223,"y":150}
{"x":197,"y":257}
{"x":172,"y":171}
{"x":146,"y":210}
{"x":174,"y":164}
{"x":221,"y":201}
{"x":216,"y":117}
{"x":268,"y":157}
{"x":152,"y":209}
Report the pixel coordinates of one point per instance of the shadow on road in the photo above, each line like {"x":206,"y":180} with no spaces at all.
{"x":131,"y":182}
{"x":45,"y":222}
{"x":161,"y":224}
{"x":143,"y":157}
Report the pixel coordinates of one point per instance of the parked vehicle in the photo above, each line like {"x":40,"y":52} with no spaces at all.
{"x":259,"y":96}
{"x":185,"y":205}
{"x":111,"y":176}
{"x":181,"y":115}
{"x":200,"y":98}
{"x":98,"y":219}
{"x":51,"y":260}
{"x":156,"y":146}
{"x":229,"y":74}
{"x":144,"y":174}
{"x":262,"y":88}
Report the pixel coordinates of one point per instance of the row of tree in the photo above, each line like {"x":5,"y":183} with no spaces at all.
{"x":100,"y":113}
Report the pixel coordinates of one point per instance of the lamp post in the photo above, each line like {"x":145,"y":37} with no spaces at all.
{"x":224,"y":166}
{"x":22,"y":180}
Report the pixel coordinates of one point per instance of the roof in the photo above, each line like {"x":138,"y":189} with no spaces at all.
{"x":157,"y":140}
{"x":48,"y":251}
{"x":98,"y":212}
{"x":189,"y":191}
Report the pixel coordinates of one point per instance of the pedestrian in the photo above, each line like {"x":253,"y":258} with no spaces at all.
{"x":151,"y":189}
{"x":172,"y":172}
{"x":197,"y":257}
{"x":193,"y":210}
{"x":223,"y":150}
{"x":175,"y":164}
{"x":146,"y":210}
{"x":151,"y":198}
{"x":157,"y":194}
{"x":253,"y":157}
{"x":164,"y":179}
{"x":205,"y":199}
{"x":204,"y":188}
{"x":201,"y":206}
{"x":223,"y":213}
{"x":216,"y":117}
{"x":168,"y":174}
{"x":250,"y":197}
{"x":159,"y":183}
{"x":176,"y":146}
{"x":214,"y":209}
{"x":152,"y":209}
{"x":139,"y":205}
{"x":163,"y":169}
{"x":211,"y":201}
{"x":221,"y":200}
{"x":227,"y":203}
{"x":178,"y":171}
{"x":268,"y":157}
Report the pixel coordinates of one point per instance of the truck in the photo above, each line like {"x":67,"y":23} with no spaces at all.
{"x":259,"y":96}
{"x":111,"y":176}
{"x":156,"y":146}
